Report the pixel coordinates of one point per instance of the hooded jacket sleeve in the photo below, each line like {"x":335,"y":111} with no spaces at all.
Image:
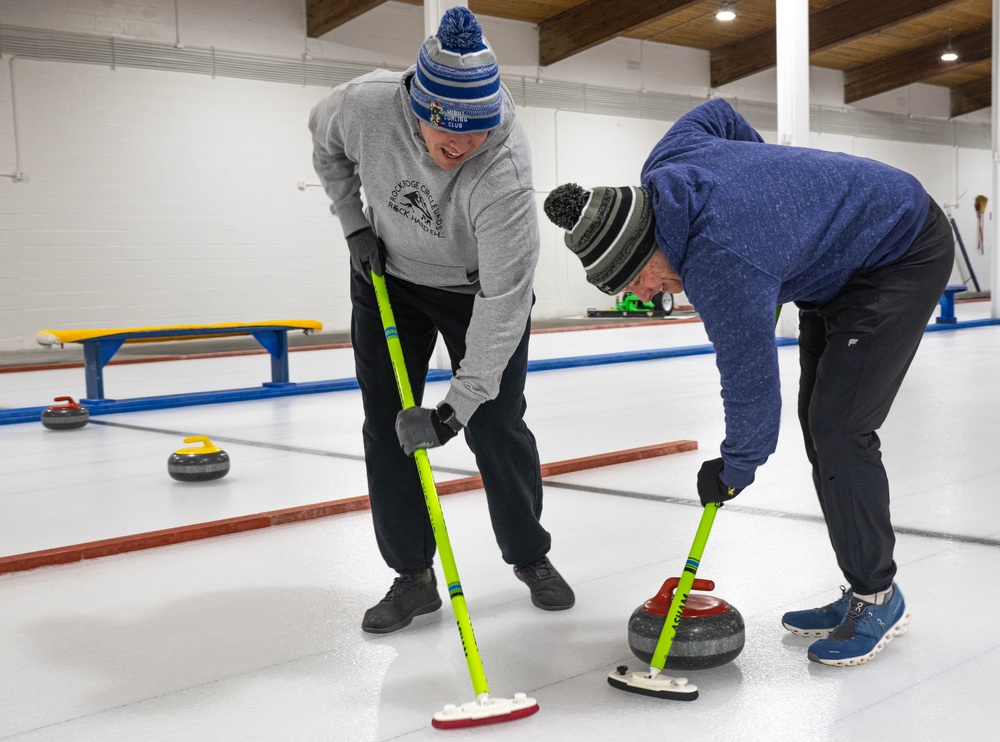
{"x":329,"y":122}
{"x":735,"y":298}
{"x":506,"y":223}
{"x":736,"y":302}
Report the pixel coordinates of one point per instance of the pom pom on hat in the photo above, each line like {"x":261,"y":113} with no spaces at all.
{"x":457,"y":82}
{"x":565,"y":204}
{"x":609,"y":229}
{"x":460,"y":31}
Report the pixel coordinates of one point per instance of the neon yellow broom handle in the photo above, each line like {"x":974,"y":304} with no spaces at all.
{"x":683,"y":589}
{"x":472,"y":658}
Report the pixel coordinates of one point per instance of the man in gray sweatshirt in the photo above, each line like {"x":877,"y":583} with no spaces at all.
{"x":452,"y":224}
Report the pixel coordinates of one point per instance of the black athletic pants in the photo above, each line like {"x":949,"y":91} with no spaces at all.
{"x":853,"y":354}
{"x":503,"y":445}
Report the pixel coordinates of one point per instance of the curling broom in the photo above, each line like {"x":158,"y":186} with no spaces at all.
{"x":484,"y":710}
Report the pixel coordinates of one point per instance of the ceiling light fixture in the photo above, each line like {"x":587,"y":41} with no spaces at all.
{"x":726,"y":13}
{"x":949,"y":54}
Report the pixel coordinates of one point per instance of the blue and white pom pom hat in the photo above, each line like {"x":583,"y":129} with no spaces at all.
{"x":457,"y":85}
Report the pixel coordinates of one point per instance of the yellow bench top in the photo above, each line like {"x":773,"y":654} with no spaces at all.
{"x":174,"y":332}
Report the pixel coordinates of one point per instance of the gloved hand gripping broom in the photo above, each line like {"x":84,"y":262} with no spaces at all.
{"x":484,"y":710}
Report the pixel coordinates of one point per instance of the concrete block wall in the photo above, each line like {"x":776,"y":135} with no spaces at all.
{"x":162,"y":197}
{"x":155,"y":197}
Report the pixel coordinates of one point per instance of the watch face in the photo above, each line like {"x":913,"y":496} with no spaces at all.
{"x":447,"y":415}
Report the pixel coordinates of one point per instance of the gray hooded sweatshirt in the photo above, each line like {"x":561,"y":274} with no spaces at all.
{"x":473,"y":230}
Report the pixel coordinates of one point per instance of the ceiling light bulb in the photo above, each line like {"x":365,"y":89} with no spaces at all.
{"x":949,"y":54}
{"x":726,"y":13}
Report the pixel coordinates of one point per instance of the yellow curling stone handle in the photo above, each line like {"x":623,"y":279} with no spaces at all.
{"x":206,"y":447}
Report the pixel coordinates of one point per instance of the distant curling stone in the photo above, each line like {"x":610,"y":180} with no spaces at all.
{"x":69,"y":416}
{"x":711,"y":632}
{"x":198,"y":463}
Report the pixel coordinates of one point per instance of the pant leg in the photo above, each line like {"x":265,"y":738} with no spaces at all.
{"x":812,"y":343}
{"x":402,"y":527}
{"x":507,"y":457}
{"x":504,"y":447}
{"x":872,"y":331}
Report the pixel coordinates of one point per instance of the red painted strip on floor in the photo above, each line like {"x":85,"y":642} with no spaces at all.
{"x":181,"y":534}
{"x":617,"y":326}
{"x":137,"y":542}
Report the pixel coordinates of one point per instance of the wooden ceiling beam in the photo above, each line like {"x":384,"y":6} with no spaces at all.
{"x":971,"y":96}
{"x":326,"y":15}
{"x":917,"y":64}
{"x":597,"y":21}
{"x":828,"y":27}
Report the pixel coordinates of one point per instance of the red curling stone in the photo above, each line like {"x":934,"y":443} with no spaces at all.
{"x":69,"y":416}
{"x":710,"y":633}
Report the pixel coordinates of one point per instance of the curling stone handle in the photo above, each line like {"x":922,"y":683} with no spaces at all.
{"x":660,"y":603}
{"x":206,"y":445}
{"x":70,"y":402}
{"x":671,"y":584}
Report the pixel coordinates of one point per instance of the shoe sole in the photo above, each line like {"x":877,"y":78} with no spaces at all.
{"x":808,"y":633}
{"x":422,"y":610}
{"x":897,"y":629}
{"x":545,"y":607}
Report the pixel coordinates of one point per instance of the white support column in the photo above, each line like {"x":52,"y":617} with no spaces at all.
{"x":792,"y":38}
{"x":994,"y":214}
{"x":434,"y":9}
{"x":792,"y":34}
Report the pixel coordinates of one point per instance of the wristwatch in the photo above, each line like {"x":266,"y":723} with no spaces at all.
{"x":446,"y":414}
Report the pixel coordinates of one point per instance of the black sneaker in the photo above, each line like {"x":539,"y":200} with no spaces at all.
{"x":413,"y":593}
{"x":549,"y":591}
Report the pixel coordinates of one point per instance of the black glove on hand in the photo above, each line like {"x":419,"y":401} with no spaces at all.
{"x":710,"y":485}
{"x":366,"y":253}
{"x":419,"y":427}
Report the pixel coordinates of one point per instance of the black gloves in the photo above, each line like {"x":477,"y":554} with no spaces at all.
{"x":710,"y":485}
{"x":419,"y":427}
{"x":366,"y":253}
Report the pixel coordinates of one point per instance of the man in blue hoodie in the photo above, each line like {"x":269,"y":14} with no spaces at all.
{"x":742,"y":227}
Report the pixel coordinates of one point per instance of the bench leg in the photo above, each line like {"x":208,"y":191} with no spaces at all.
{"x":276,"y":343}
{"x":947,"y":302}
{"x":96,"y":354}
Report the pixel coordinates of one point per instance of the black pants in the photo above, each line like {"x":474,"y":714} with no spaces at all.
{"x":853,"y":354}
{"x":503,"y":445}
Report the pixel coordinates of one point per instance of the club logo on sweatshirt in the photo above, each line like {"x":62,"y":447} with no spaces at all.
{"x":413,"y":200}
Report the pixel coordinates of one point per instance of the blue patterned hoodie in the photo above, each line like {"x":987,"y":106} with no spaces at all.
{"x":749,"y":226}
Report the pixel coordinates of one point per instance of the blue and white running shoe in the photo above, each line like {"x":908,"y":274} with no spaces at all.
{"x":865,"y":631}
{"x":817,"y":623}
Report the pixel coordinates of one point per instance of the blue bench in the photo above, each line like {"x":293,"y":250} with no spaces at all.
{"x":99,"y":346}
{"x":947,"y":302}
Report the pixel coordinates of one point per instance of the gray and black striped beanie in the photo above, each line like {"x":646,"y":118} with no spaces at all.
{"x":609,"y":229}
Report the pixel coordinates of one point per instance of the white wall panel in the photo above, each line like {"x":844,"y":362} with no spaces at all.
{"x":158,"y":196}
{"x":155,"y":197}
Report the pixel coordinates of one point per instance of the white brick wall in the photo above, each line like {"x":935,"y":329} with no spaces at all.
{"x":160,"y":197}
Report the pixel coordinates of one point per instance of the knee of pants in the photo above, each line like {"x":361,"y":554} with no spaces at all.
{"x":835,"y":443}
{"x":498,"y":413}
{"x":380,"y":432}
